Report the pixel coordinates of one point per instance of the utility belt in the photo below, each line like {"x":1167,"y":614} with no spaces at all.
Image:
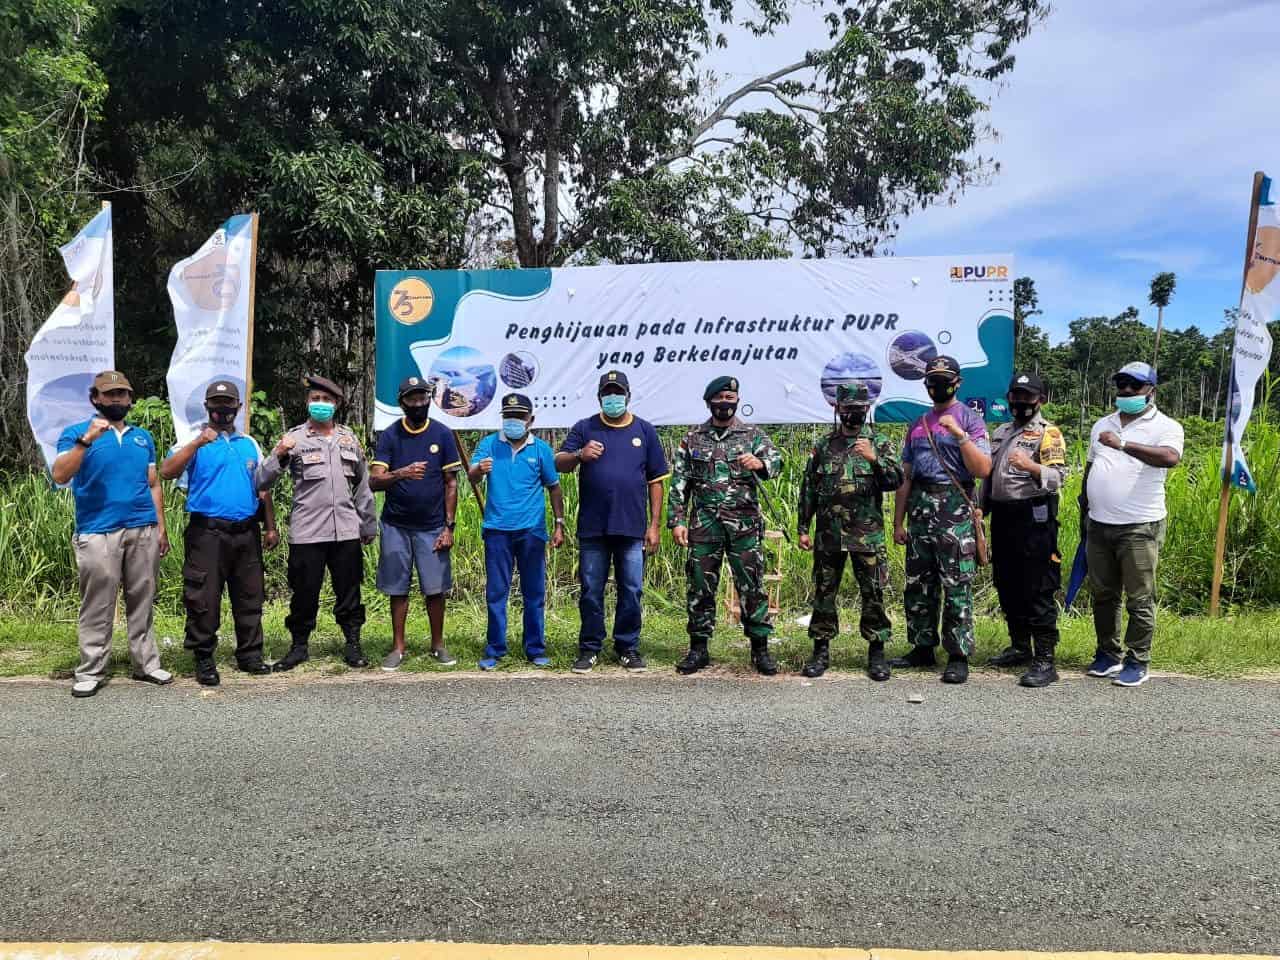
{"x":943,"y":487}
{"x":225,"y":526}
{"x":1045,"y":506}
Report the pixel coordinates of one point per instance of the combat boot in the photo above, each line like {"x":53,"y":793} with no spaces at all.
{"x":694,"y":660}
{"x":957,"y":670}
{"x":297,"y":654}
{"x":1015,"y":655}
{"x":920,"y":656}
{"x":763,"y":660}
{"x":877,"y":666}
{"x":353,"y":655}
{"x":819,"y":662}
{"x":207,"y":673}
{"x":1040,"y":674}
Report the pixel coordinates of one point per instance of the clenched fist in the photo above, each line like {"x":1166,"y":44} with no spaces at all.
{"x":486,"y":465}
{"x":97,"y":427}
{"x":285,"y":447}
{"x":948,"y":422}
{"x":206,"y":436}
{"x":865,"y":450}
{"x":414,"y":471}
{"x":592,"y":451}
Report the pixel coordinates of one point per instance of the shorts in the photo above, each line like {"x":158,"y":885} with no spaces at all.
{"x":400,"y":550}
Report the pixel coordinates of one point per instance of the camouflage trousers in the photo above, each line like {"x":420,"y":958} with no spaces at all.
{"x":872,"y":573}
{"x":746,"y":562}
{"x":941,"y":565}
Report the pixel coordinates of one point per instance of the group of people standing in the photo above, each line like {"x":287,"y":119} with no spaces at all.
{"x":714,"y":512}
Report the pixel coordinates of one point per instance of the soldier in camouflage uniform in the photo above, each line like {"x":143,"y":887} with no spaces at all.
{"x":949,"y":441}
{"x":844,"y":479}
{"x":714,"y":510}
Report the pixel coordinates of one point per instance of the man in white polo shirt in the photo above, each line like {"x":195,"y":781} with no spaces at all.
{"x":1130,"y":453}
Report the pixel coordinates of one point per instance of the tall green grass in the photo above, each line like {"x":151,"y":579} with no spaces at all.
{"x":38,"y":576}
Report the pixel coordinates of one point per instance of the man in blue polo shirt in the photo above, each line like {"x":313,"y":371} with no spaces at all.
{"x":518,"y":467}
{"x":120,"y":535}
{"x":417,"y":464}
{"x":223,"y":542}
{"x":623,"y":467}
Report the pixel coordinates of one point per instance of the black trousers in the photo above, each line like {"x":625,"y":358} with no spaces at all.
{"x":216,"y":557}
{"x":1027,"y":570}
{"x":307,"y":563}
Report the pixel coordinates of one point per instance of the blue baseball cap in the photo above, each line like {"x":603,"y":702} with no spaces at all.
{"x":1139,"y":371}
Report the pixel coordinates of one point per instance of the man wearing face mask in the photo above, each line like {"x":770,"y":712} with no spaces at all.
{"x":517,"y":468}
{"x":417,"y":464}
{"x":1029,"y":465}
{"x":619,"y":509}
{"x":843,"y":486}
{"x":223,"y":542}
{"x":945,"y":451}
{"x":714,"y":510}
{"x":119,"y":535}
{"x":1130,"y":455}
{"x":333,"y":515}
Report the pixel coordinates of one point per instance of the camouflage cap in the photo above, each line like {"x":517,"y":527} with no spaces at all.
{"x":853,"y":394}
{"x":111,"y":380}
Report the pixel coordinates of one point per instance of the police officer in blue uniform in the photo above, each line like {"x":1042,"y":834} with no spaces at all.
{"x":223,"y":539}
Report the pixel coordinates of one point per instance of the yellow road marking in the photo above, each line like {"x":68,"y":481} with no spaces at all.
{"x":491,"y":951}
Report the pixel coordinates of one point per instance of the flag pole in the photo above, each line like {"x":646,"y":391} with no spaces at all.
{"x":1224,"y":498}
{"x":253,"y":291}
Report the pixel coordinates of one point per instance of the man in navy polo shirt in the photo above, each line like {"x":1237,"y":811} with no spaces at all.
{"x":120,"y":535}
{"x":518,"y":467}
{"x":417,"y":464}
{"x":223,"y":541}
{"x":623,"y":467}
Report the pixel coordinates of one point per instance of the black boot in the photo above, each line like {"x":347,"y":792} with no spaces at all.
{"x":253,"y":666}
{"x":918,"y":657}
{"x":694,"y":660}
{"x":763,"y":660}
{"x":877,"y":666}
{"x":297,"y":654}
{"x":354,"y":656}
{"x":957,"y":669}
{"x":819,"y":662}
{"x":207,"y":673}
{"x":1040,"y":674}
{"x":1015,"y":655}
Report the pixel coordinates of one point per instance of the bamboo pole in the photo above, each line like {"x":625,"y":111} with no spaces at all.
{"x":253,"y":290}
{"x":1224,"y":500}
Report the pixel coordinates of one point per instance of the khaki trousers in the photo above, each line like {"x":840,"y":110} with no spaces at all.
{"x":107,"y":562}
{"x":1122,"y":564}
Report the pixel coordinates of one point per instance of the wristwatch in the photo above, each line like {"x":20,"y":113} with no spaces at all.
{"x":1121,"y":443}
{"x":559,"y":521}
{"x":83,"y":442}
{"x":450,"y":524}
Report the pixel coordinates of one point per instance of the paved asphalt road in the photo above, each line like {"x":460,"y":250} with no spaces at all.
{"x":617,"y":809}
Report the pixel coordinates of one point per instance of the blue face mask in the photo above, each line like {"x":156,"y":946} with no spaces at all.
{"x":613,"y":404}
{"x":320,"y":411}
{"x":514,"y":429}
{"x":1131,"y":404}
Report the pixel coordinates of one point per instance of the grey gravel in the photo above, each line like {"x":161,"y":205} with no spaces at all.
{"x":627,"y":809}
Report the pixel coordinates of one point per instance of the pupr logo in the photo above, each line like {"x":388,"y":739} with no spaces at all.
{"x":411,"y":300}
{"x":979,"y":273}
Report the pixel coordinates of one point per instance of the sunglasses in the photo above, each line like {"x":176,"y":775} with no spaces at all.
{"x":1129,"y":383}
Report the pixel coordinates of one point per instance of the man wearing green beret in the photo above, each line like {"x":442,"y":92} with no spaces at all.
{"x":844,"y":484}
{"x":714,"y":511}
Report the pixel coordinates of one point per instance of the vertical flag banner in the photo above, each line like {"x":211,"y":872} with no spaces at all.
{"x":1259,"y":305}
{"x":212,"y":295}
{"x":78,"y":340}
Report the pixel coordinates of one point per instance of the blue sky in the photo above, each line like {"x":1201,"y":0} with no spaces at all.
{"x":1128,"y":137}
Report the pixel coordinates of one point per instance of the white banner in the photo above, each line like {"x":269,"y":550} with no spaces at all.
{"x":789,"y":330}
{"x":78,"y":340}
{"x":211,"y":293}
{"x":1259,"y":305}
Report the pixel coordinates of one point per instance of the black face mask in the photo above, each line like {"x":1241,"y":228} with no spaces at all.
{"x":940,"y":392}
{"x":222,"y":416}
{"x":113,"y":411}
{"x":853,"y":419}
{"x":417,"y":415}
{"x":723,"y":411}
{"x":1023,"y":411}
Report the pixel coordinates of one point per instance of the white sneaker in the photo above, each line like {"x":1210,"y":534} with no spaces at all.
{"x":158,"y":677}
{"x":85,"y":688}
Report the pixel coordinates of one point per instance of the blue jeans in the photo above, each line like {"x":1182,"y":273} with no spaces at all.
{"x":594,"y":557}
{"x":526,"y":550}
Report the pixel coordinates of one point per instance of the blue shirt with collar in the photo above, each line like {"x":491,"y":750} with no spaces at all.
{"x":111,"y":489}
{"x":219,"y":480}
{"x":515,"y":498}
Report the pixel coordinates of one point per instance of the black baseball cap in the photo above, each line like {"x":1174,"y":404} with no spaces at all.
{"x":1026,"y":380}
{"x":413,"y":385}
{"x":614,"y":378}
{"x":942,"y":366}
{"x":222,"y":390}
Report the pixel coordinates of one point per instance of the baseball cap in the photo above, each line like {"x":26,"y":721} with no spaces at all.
{"x":111,"y":380}
{"x":1026,"y":380}
{"x":1139,"y":371}
{"x":413,"y":385}
{"x":942,"y":366}
{"x":222,"y":389}
{"x":614,"y":378}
